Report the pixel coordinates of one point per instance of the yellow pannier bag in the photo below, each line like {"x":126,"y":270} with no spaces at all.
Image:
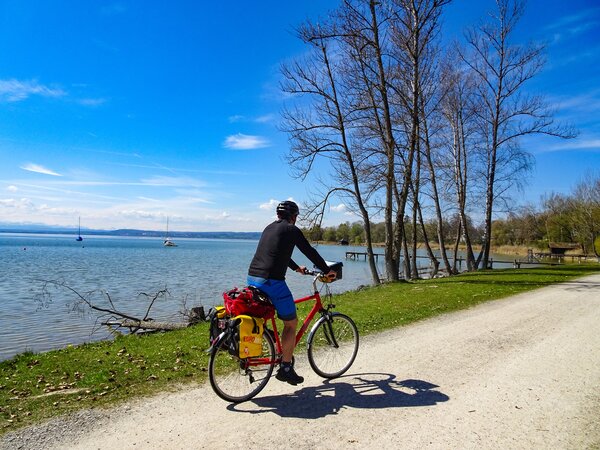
{"x":250,"y":332}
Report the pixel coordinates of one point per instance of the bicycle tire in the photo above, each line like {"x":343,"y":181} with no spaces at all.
{"x":231,"y":379}
{"x":331,"y":355}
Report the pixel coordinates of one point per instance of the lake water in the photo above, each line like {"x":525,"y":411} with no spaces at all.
{"x":198,"y":270}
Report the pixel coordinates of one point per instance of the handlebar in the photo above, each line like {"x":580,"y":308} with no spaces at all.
{"x":318,"y":275}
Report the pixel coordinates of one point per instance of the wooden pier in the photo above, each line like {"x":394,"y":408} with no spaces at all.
{"x":579,"y":257}
{"x":363,"y":255}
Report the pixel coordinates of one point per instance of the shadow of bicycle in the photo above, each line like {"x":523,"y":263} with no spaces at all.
{"x":369,"y":390}
{"x":581,"y":286}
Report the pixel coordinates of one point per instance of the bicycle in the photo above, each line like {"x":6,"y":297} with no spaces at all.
{"x":332,"y":346}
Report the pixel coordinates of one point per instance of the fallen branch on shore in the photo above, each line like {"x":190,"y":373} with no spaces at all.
{"x":114,"y":318}
{"x":196,"y":316}
{"x":135,"y":325}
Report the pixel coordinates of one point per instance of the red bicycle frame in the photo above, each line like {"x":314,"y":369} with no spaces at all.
{"x":317,"y":307}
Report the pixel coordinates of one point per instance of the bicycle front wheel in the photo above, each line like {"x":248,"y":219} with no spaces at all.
{"x":236,"y":379}
{"x":332,"y":345}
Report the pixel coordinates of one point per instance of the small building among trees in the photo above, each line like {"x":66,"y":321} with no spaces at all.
{"x":560,"y":248}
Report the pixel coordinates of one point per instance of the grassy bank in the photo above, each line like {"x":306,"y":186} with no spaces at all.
{"x":34,"y":387}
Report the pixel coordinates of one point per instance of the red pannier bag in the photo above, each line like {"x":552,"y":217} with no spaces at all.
{"x":248,"y":301}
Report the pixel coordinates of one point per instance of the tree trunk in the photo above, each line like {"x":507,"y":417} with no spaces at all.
{"x":415,"y":186}
{"x":407,"y":264}
{"x":355,"y":178}
{"x":391,"y":260}
{"x":455,"y":250}
{"x":436,"y":196}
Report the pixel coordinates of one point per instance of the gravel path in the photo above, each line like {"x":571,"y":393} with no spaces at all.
{"x":522,"y":372}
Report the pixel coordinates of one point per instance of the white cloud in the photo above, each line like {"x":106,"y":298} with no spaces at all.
{"x":31,"y":208}
{"x":264,"y":119}
{"x":258,"y":119}
{"x":19,"y":204}
{"x":577,"y":144}
{"x":245,"y":142}
{"x":172,"y":182}
{"x":584,"y":102}
{"x":584,"y":18}
{"x":12,"y":188}
{"x":15,"y":90}
{"x":192,"y":196}
{"x":39,"y":169}
{"x":92,"y":101}
{"x":339,"y":208}
{"x":141,"y":214}
{"x":270,"y":205}
{"x":226,"y":222}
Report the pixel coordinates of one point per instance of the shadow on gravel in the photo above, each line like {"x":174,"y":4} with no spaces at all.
{"x":581,"y":286}
{"x":367,"y":390}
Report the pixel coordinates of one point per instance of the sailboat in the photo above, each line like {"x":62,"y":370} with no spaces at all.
{"x":79,"y":238}
{"x":168,"y":242}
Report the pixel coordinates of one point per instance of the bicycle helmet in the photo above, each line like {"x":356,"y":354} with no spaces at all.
{"x":287,"y":209}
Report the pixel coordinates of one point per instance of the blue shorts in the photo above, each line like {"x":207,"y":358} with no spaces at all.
{"x":280,"y":296}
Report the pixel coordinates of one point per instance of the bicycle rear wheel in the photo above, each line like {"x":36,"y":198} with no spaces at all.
{"x":332,"y":345}
{"x":236,"y":379}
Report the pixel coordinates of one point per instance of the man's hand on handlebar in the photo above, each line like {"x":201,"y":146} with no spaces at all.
{"x":329,"y":276}
{"x":332,"y":275}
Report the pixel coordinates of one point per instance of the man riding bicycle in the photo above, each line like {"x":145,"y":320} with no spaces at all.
{"x":267,"y":272}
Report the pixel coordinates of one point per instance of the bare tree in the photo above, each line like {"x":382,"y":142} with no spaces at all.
{"x":586,"y":211}
{"x":432,"y":167}
{"x":415,"y":29}
{"x":418,"y":219}
{"x":458,"y":111}
{"x":328,"y":128}
{"x":506,"y":113}
{"x":367,"y":25}
{"x":361,"y":30}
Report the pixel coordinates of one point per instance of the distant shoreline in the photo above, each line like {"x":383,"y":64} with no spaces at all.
{"x":141,"y":233}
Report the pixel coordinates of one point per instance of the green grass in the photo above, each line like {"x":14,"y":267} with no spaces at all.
{"x":391,"y":305}
{"x":34,"y":387}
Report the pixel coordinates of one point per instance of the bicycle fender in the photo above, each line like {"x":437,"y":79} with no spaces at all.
{"x":216,"y":341}
{"x":314,"y":327}
{"x":327,"y":330}
{"x":321,"y":319}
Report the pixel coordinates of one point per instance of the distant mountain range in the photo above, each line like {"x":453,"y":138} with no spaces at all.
{"x":45,"y":229}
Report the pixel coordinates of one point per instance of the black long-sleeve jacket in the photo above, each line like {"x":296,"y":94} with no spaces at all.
{"x":274,"y":252}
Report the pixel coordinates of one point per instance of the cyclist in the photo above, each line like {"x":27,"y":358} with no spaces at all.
{"x":267,"y":272}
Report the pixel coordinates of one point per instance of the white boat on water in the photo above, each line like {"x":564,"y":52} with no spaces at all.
{"x":168,"y":242}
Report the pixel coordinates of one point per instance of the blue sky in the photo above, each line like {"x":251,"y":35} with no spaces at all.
{"x":127,"y":112}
